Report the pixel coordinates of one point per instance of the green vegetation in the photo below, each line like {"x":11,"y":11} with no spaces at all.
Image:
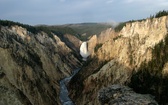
{"x":160,"y":14}
{"x":120,"y":26}
{"x":85,"y":30}
{"x":60,"y":31}
{"x":11,"y":23}
{"x":97,"y":47}
{"x":157,"y":15}
{"x":29,"y":28}
{"x":82,"y":31}
{"x":149,"y":78}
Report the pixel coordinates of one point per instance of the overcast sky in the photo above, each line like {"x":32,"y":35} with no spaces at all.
{"x":54,"y":12}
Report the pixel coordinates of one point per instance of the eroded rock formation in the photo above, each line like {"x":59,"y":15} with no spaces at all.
{"x":31,"y":66}
{"x":117,"y":58}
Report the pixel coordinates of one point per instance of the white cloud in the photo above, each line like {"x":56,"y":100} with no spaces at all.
{"x":64,"y":11}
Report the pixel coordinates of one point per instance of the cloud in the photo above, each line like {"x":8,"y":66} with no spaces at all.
{"x":73,"y":11}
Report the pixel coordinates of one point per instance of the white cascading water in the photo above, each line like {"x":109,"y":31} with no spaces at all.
{"x":84,"y":50}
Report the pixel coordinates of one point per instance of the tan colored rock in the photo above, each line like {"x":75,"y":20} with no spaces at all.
{"x":124,"y":51}
{"x":92,"y":43}
{"x":30,"y":70}
{"x":165,"y":70}
{"x":22,"y":32}
{"x":76,"y":42}
{"x":134,"y":43}
{"x":112,"y":72}
{"x":106,"y":35}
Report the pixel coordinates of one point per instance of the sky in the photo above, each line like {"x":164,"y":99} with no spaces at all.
{"x":56,"y":12}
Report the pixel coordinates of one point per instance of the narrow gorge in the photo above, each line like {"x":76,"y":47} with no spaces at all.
{"x":125,"y":65}
{"x":31,"y":66}
{"x":64,"y":94}
{"x":119,"y":58}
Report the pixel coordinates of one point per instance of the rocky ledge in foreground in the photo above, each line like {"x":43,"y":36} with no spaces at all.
{"x":123,"y":95}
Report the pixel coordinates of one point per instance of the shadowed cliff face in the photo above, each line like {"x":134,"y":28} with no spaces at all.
{"x":74,"y":43}
{"x":31,"y":67}
{"x":117,"y":57}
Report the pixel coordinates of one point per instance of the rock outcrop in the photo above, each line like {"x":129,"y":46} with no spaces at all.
{"x":106,"y":35}
{"x":123,"y":95}
{"x":31,"y":66}
{"x":73,"y":42}
{"x":91,"y":44}
{"x":117,"y":58}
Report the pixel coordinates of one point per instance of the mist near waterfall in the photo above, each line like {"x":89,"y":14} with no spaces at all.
{"x":84,"y":50}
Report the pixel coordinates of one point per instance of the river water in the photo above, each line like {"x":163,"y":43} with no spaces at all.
{"x":65,"y":100}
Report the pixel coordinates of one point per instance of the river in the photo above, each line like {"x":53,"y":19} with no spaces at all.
{"x":65,"y":100}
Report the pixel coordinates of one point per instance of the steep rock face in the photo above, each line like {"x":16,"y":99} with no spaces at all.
{"x":106,"y":35}
{"x":97,"y":40}
{"x":112,"y":72}
{"x":91,"y":44}
{"x":124,"y":53}
{"x":132,"y":45}
{"x":73,"y":42}
{"x":31,"y":67}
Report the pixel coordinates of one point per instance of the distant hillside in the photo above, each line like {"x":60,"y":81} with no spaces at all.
{"x":32,"y":63}
{"x":81,"y":30}
{"x":85,"y":30}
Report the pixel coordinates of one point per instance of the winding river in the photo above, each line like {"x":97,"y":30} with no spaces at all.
{"x":65,"y":100}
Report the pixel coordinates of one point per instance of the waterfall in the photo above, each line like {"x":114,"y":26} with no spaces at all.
{"x":84,"y":50}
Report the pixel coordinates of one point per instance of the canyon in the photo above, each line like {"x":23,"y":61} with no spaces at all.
{"x":120,"y":55}
{"x":118,"y":66}
{"x":32,"y":66}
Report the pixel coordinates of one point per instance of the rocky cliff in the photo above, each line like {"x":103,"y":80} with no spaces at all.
{"x":123,"y":95}
{"x":91,"y":44}
{"x":73,"y":42}
{"x":31,"y":66}
{"x":115,"y":60}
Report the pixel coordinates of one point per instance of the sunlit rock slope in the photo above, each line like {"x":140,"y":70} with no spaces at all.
{"x":119,"y":55}
{"x":31,"y":65}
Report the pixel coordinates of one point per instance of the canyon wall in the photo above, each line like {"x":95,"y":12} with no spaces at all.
{"x":31,"y":66}
{"x":117,"y":58}
{"x":73,"y":42}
